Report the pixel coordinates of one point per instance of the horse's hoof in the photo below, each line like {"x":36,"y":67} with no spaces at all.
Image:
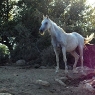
{"x":57,"y":70}
{"x":66,"y":72}
{"x":83,"y":73}
{"x":82,"y":68}
{"x":75,"y":71}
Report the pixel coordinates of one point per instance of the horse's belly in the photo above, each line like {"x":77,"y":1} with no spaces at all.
{"x":72,"y":42}
{"x":72,"y":46}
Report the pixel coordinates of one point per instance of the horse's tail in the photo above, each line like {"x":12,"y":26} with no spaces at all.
{"x":88,"y":39}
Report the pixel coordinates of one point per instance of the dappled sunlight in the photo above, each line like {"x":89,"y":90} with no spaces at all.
{"x":15,"y":0}
{"x":29,"y":49}
{"x":91,"y":3}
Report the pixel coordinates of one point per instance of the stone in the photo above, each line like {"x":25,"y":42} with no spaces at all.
{"x":88,"y":84}
{"x":60,"y":82}
{"x":42,"y":67}
{"x":41,"y":82}
{"x":36,"y":66}
{"x":5,"y":94}
{"x":20,"y":62}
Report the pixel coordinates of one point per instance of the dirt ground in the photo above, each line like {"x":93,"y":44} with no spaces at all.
{"x":22,"y":81}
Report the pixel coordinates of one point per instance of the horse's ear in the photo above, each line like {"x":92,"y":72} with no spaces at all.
{"x":47,"y":16}
{"x":43,"y":16}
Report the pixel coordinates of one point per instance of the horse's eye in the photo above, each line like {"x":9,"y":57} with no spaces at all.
{"x":46,"y":23}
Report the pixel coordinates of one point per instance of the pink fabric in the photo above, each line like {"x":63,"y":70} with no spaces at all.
{"x":88,"y":56}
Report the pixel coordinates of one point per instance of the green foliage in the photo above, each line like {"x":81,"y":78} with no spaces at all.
{"x":44,"y":41}
{"x":26,"y":52}
{"x":20,"y":22}
{"x":48,"y":57}
{"x":4,"y":54}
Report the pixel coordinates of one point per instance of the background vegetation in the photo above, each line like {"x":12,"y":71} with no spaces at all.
{"x":20,"y":22}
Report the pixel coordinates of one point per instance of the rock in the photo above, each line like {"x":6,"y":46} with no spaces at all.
{"x":60,"y":82}
{"x":87,"y":72}
{"x":86,"y":69}
{"x":88,"y":84}
{"x":42,"y":67}
{"x":20,"y":63}
{"x":36,"y":66}
{"x":5,"y":94}
{"x":41,"y":82}
{"x":89,"y":87}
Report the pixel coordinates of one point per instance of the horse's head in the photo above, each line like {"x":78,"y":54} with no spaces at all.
{"x":45,"y":24}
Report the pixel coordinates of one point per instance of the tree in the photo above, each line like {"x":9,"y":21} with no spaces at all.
{"x":6,"y":23}
{"x":20,"y":22}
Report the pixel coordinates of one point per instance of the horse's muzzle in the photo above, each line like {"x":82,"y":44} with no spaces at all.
{"x":41,"y":31}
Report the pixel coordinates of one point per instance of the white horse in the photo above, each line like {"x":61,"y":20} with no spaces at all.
{"x":68,"y":42}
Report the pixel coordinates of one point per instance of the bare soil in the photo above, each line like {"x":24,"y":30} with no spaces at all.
{"x":22,"y":81}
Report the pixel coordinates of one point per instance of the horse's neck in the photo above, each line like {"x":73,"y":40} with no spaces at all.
{"x":55,"y":30}
{"x":58,"y":35}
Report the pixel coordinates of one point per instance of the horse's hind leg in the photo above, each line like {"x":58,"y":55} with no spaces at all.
{"x":81,"y":56}
{"x":76,"y":56}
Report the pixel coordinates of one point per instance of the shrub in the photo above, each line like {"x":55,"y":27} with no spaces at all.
{"x":26,"y":52}
{"x":48,"y":56}
{"x":4,"y":54}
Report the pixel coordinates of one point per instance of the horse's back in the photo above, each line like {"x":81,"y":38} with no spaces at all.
{"x":74,"y":40}
{"x":79,"y":37}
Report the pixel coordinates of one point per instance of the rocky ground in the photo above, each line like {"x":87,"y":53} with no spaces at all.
{"x":22,"y":81}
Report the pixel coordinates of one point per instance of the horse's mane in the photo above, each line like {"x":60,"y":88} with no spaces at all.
{"x":57,"y":26}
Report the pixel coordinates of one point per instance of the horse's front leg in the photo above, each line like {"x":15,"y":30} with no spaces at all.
{"x":65,"y":59}
{"x":57,"y":59}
